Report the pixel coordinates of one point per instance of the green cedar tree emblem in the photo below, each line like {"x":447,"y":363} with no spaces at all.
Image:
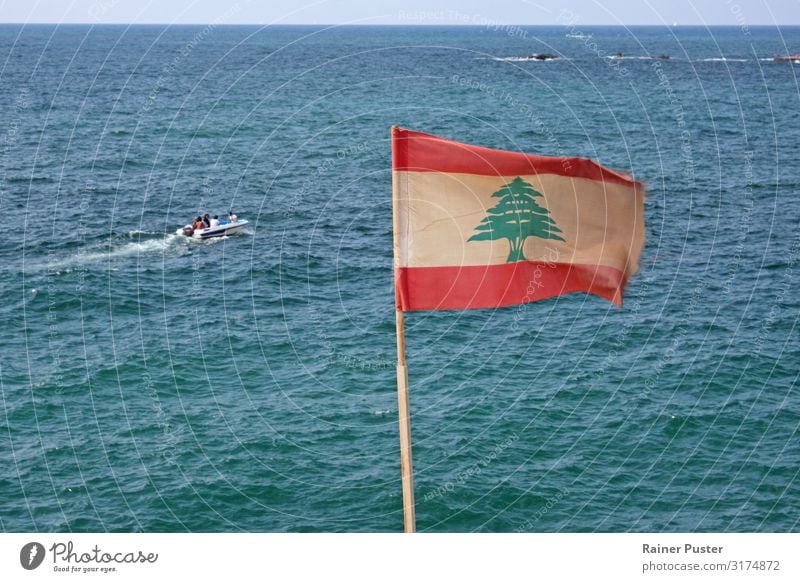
{"x":516,"y":217}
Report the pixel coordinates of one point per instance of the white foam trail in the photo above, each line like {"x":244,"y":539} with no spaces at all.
{"x":772,"y":60}
{"x":723,"y":59}
{"x":132,"y":249}
{"x":134,"y":233}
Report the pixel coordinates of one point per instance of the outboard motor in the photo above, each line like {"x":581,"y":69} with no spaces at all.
{"x":188,"y":230}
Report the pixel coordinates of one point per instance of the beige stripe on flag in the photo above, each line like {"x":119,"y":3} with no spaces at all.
{"x":601,"y":221}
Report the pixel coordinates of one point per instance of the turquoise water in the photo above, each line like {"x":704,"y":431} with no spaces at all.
{"x":150,"y":383}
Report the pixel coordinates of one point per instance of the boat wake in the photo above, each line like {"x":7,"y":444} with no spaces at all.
{"x":723,"y":60}
{"x":663,"y":57}
{"x":134,"y":244}
{"x":113,"y":250}
{"x":632,"y":58}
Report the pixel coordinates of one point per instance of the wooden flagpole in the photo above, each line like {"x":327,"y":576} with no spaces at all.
{"x":406,"y":467}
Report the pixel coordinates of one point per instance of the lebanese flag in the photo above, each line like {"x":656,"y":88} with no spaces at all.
{"x":476,"y":227}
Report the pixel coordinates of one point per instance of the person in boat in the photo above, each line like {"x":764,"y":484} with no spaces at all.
{"x":206,"y":221}
{"x":198,"y":224}
{"x":232,"y":217}
{"x":214,"y":221}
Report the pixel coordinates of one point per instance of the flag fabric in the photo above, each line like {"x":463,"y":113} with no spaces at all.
{"x":476,"y":227}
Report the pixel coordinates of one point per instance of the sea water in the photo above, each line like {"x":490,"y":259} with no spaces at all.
{"x":155,"y":383}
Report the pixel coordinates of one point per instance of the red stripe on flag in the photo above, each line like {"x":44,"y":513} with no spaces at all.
{"x":479,"y":287}
{"x":413,"y":151}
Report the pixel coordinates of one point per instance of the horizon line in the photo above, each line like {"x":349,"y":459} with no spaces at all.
{"x":397,"y":24}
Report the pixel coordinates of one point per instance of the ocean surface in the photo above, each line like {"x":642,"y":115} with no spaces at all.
{"x":152,"y":383}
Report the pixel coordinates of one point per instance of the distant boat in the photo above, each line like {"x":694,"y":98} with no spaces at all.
{"x":578,"y":35}
{"x":787,"y":58}
{"x":225,"y":227}
{"x":542,"y":57}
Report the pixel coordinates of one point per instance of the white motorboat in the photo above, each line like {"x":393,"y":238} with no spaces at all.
{"x":225,"y":228}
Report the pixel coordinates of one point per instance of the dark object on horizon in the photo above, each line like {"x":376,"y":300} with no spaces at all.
{"x":618,"y":55}
{"x":542,"y":57}
{"x":787,"y":58}
{"x":663,"y":57}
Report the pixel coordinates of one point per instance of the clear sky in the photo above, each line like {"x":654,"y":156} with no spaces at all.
{"x":477,"y":12}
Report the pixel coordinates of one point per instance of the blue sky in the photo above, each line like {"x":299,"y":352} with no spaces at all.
{"x":483,"y":12}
